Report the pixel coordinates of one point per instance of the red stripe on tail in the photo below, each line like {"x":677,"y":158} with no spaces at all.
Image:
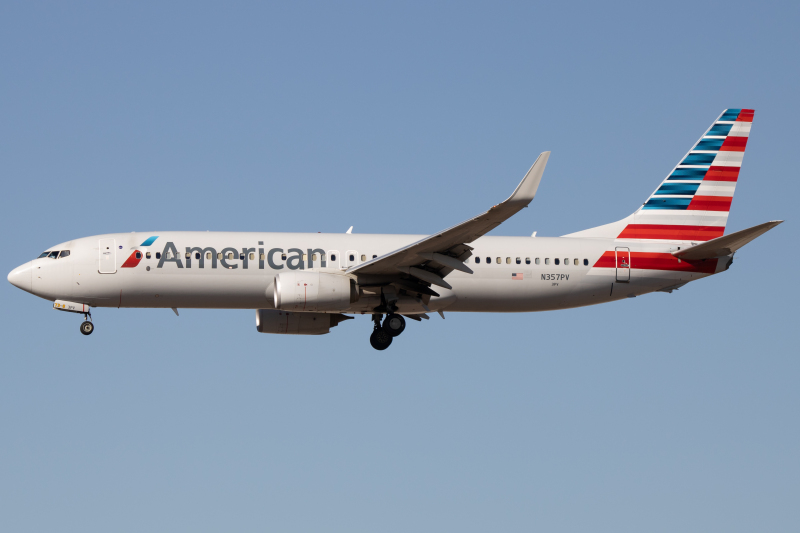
{"x":734,"y":144}
{"x":722,"y":174}
{"x":710,"y":203}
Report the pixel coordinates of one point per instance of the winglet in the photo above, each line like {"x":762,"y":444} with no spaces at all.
{"x":526,"y":189}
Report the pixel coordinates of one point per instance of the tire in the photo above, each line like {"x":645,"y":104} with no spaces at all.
{"x":394,"y":325}
{"x":380,"y":340}
{"x":87,"y":328}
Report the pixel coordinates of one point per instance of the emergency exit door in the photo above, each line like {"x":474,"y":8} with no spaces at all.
{"x":623,"y":256}
{"x":108,"y":256}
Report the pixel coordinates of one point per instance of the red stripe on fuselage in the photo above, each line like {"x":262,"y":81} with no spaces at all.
{"x":671,"y":232}
{"x":710,"y":203}
{"x":658,"y":261}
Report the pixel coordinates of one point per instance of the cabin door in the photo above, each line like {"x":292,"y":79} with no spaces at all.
{"x":108,"y":256}
{"x":623,"y":256}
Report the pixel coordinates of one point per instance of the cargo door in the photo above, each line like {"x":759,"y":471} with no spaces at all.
{"x":623,"y":264}
{"x":108,"y":256}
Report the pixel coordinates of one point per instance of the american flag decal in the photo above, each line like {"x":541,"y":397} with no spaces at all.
{"x":516,"y":275}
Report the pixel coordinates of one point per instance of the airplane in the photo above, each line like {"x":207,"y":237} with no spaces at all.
{"x":308,"y":283}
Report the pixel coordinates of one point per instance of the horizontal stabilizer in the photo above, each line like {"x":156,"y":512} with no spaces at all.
{"x":726,"y":245}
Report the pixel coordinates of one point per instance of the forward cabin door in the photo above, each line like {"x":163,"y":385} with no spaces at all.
{"x":108,"y":256}
{"x":623,"y":264}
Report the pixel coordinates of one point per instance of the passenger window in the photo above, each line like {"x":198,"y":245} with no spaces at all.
{"x":252,"y":256}
{"x":304,"y":257}
{"x":323,"y":257}
{"x":283,"y":257}
{"x":53,"y":255}
{"x":477,"y":259}
{"x":537,"y":260}
{"x":374,"y":256}
{"x":241,"y":257}
{"x":44,"y":254}
{"x":527,"y":260}
{"x":488,"y":260}
{"x":313,"y":257}
{"x":575,"y":262}
{"x":519,"y":261}
{"x":230,"y":255}
{"x":138,"y":255}
{"x":158,"y":255}
{"x":188,"y":255}
{"x":585,"y":262}
{"x":261,"y":256}
{"x":363,"y":257}
{"x":352,"y":257}
{"x":219,"y":255}
{"x":508,"y":260}
{"x":556,"y":261}
{"x":147,"y":255}
{"x":546,"y":260}
{"x":498,"y":260}
{"x":208,"y":255}
{"x":333,"y":257}
{"x":65,"y":253}
{"x":566,"y":262}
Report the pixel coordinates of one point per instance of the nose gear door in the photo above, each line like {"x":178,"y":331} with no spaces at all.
{"x":108,"y":256}
{"x":623,"y":257}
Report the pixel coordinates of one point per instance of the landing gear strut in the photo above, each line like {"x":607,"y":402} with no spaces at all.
{"x":86,"y":326}
{"x":380,"y":338}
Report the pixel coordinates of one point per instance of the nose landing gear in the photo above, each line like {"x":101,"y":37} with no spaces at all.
{"x":87,"y":327}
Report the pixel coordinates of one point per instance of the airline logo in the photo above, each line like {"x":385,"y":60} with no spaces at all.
{"x":693,"y":202}
{"x":136,"y":256}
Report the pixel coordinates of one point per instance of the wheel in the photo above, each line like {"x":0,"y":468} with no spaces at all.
{"x":394,"y":325}
{"x":87,"y":328}
{"x":380,"y":340}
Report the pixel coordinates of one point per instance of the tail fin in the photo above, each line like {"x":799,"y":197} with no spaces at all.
{"x":693,"y":202}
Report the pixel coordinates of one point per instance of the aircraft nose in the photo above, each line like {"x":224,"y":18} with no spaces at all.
{"x":22,"y":277}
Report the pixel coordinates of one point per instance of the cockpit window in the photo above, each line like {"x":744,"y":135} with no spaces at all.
{"x":64,"y":253}
{"x":44,"y":254}
{"x":53,"y":255}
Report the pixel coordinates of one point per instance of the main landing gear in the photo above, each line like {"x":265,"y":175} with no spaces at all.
{"x":382,"y":334}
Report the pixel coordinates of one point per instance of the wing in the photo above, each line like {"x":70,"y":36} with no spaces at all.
{"x":432,"y":258}
{"x":722,"y":246}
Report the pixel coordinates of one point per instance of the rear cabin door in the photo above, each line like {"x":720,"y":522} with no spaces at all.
{"x":108,"y":256}
{"x":623,"y":255}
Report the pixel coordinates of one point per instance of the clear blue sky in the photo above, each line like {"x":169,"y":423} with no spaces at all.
{"x":663,"y":413}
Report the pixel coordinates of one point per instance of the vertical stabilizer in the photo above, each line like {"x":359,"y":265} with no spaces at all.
{"x":693,"y":202}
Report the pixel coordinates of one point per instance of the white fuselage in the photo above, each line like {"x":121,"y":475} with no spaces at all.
{"x":522,"y":273}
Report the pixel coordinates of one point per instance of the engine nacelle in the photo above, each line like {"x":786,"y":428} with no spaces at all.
{"x":288,"y":323}
{"x":314,"y":291}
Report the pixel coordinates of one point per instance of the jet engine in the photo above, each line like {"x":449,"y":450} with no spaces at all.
{"x":314,"y":291}
{"x":288,"y":323}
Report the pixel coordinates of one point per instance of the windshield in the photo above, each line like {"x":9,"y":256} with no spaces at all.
{"x":44,"y":254}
